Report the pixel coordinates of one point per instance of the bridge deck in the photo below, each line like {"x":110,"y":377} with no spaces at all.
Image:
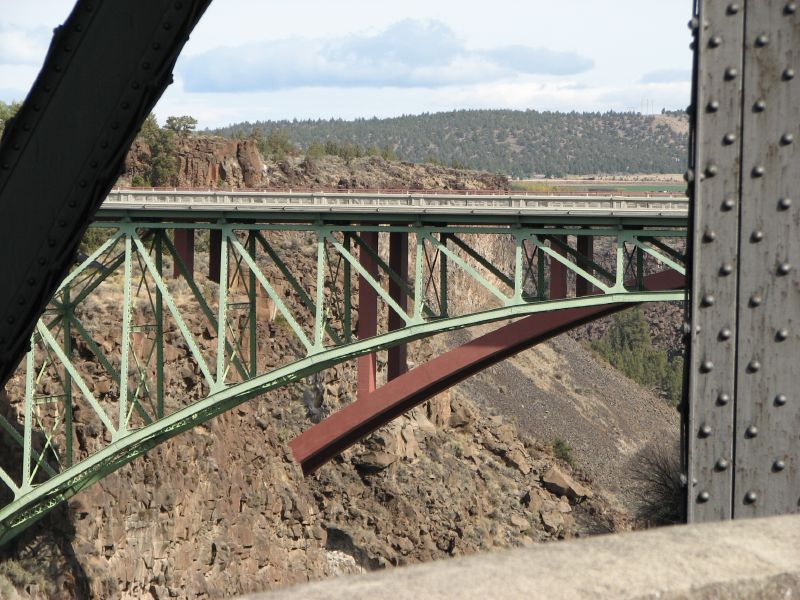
{"x":486,"y":208}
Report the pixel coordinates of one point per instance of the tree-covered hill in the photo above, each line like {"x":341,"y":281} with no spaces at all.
{"x":516,"y":143}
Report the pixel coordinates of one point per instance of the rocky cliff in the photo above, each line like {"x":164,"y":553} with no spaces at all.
{"x":220,"y":163}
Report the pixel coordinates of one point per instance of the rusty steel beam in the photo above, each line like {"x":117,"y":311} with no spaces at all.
{"x":316,"y":446}
{"x":397,"y":363}
{"x":367,"y":315}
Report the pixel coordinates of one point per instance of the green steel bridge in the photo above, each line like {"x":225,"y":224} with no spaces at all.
{"x":332,"y":270}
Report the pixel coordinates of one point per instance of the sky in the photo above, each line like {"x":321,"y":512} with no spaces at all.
{"x":309,"y":59}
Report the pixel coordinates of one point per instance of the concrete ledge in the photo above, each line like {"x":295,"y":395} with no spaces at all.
{"x":757,"y":558}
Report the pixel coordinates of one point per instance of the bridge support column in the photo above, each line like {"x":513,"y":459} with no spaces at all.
{"x":558,"y":273}
{"x":214,"y":254}
{"x":184,"y":246}
{"x":367,"y":315}
{"x":398,"y":262}
{"x":586,"y":251}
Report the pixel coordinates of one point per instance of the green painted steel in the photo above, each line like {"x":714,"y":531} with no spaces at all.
{"x":303,"y":278}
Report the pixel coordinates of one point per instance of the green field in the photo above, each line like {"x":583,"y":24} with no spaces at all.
{"x":609,"y":187}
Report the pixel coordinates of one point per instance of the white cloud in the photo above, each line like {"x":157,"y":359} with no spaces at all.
{"x":408,"y":54}
{"x":23,"y":46}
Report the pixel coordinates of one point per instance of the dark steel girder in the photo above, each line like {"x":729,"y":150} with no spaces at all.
{"x":107,"y":66}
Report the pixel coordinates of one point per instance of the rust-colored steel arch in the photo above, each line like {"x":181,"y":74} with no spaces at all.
{"x":319,"y":444}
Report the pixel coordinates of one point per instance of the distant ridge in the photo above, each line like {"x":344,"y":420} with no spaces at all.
{"x":516,"y":143}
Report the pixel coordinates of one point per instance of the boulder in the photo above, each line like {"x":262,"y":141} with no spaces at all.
{"x":561,"y":484}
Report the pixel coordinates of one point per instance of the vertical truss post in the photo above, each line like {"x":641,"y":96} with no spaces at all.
{"x":253,"y":298}
{"x":320,"y":319}
{"x":222,"y":318}
{"x":67,"y":378}
{"x":541,"y":274}
{"x":126,"y":336}
{"x":158,"y":247}
{"x":184,"y":247}
{"x":27,"y":447}
{"x":398,"y":262}
{"x":214,"y":246}
{"x":558,"y":273}
{"x":348,"y":295}
{"x":443,"y":278}
{"x":586,"y":255}
{"x":367,"y":315}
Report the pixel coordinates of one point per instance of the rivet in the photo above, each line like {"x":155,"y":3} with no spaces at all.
{"x":78,"y":28}
{"x":125,"y":106}
{"x":705,"y":431}
{"x":89,"y":8}
{"x":757,"y":236}
{"x":722,"y":464}
{"x":146,"y":66}
{"x":728,"y":204}
{"x":51,"y":243}
{"x":712,"y":170}
{"x":104,"y":144}
{"x":733,"y":8}
{"x":57,"y":68}
{"x":752,"y":431}
{"x":788,"y":74}
{"x":713,"y":106}
{"x":83,"y":183}
{"x":10,"y":320}
{"x":707,"y":366}
{"x":790,"y":8}
{"x":703,"y":497}
{"x":729,"y":139}
{"x":37,"y":107}
{"x":778,"y":465}
{"x":67,"y":48}
{"x":781,"y":400}
{"x":758,"y":171}
{"x":714,"y":41}
{"x":782,"y":335}
{"x":750,"y":497}
{"x":762,"y":41}
{"x":167,"y":26}
{"x":726,"y":269}
{"x":709,"y":235}
{"x":156,"y":46}
{"x":693,"y":23}
{"x":31,"y":281}
{"x":178,"y":5}
{"x":6,"y":166}
{"x":731,"y":73}
{"x":723,"y":399}
{"x":42,"y":261}
{"x":754,"y":366}
{"x":62,"y":223}
{"x":689,"y":176}
{"x":135,"y":85}
{"x":15,"y":146}
{"x":755,"y":300}
{"x":692,"y":45}
{"x":784,"y":268}
{"x":787,"y":138}
{"x":115,"y":125}
{"x":21,"y":301}
{"x":93,"y":164}
{"x":760,"y":106}
{"x":72,"y":203}
{"x":708,"y":300}
{"x":725,"y":334}
{"x":785,"y":203}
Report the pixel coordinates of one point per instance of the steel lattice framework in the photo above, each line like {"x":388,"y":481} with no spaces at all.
{"x":326,"y":286}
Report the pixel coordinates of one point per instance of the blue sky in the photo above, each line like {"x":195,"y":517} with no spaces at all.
{"x":258,"y":60}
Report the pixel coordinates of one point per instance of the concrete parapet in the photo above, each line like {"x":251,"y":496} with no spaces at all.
{"x":744,"y":559}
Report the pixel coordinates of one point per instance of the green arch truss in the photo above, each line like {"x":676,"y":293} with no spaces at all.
{"x":147,"y":337}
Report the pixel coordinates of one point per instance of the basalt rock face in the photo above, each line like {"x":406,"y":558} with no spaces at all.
{"x":218,"y":163}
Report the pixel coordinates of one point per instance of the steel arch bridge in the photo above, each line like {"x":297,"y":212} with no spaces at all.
{"x":333,"y":291}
